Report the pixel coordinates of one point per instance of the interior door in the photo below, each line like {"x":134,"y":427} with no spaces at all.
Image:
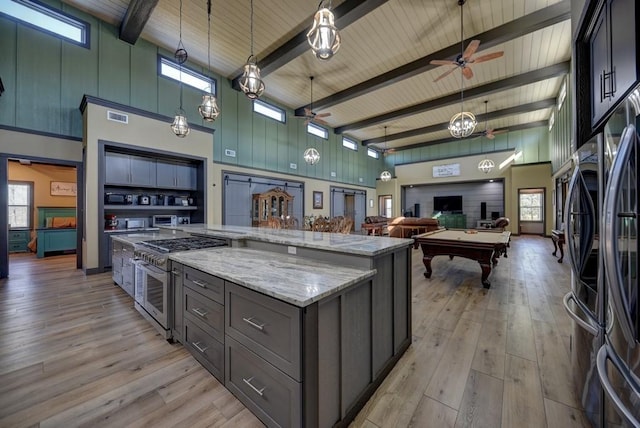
{"x":350,"y":206}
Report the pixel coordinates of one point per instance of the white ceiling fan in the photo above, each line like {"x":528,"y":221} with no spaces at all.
{"x":465,"y":59}
{"x":310,"y":115}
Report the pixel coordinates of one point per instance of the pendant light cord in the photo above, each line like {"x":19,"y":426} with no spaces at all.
{"x":180,"y":45}
{"x":209,"y":42}
{"x":251,"y":26}
{"x":461,"y":55}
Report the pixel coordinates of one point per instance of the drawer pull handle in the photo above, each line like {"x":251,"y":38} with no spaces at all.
{"x":199,"y":312}
{"x":197,"y":346}
{"x":253,"y":324}
{"x":200,"y":283}
{"x":258,"y":391}
{"x":175,"y":272}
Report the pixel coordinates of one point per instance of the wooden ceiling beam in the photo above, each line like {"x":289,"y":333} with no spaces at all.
{"x":510,"y":111}
{"x":135,"y":19}
{"x":520,"y":127}
{"x":545,"y":73}
{"x":537,"y":20}
{"x":346,"y":13}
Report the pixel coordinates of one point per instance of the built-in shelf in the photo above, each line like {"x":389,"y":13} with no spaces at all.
{"x":150,"y":208}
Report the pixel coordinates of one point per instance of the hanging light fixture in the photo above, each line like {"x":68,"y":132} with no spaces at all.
{"x":464,"y":123}
{"x":209,"y":108}
{"x":486,"y":165}
{"x":324,"y":37}
{"x":385,"y":175}
{"x":250,"y":82}
{"x":311,"y":156}
{"x":180,"y":126}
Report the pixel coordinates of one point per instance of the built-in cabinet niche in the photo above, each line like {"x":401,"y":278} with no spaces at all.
{"x":136,"y":184}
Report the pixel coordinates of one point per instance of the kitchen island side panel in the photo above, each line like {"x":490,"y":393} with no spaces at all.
{"x":382,"y":305}
{"x":401,"y":299}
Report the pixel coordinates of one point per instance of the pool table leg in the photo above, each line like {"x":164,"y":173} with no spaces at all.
{"x":426,"y":260}
{"x":486,"y":270}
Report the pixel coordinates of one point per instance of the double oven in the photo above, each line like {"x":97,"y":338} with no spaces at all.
{"x":152,"y":284}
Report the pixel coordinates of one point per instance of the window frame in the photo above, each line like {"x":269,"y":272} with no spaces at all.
{"x":213,"y":83}
{"x":268,"y":106}
{"x":349,"y":144}
{"x":322,"y":132}
{"x":56,"y":14}
{"x":373,"y":153}
{"x":30,"y":203}
{"x":540,"y":208}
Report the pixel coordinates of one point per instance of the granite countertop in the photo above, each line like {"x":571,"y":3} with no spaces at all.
{"x":133,"y":230}
{"x":294,"y":280}
{"x":336,"y":242}
{"x":132,"y":238}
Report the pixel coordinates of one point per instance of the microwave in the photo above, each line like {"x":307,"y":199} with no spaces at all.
{"x":165,"y":220}
{"x":118,"y":199}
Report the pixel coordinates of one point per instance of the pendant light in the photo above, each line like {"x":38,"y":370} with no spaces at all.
{"x":311,"y":156}
{"x":464,"y":123}
{"x":385,"y":175}
{"x":486,"y":165}
{"x":250,"y":82}
{"x":180,"y":126}
{"x":324,"y":37}
{"x":209,"y":108}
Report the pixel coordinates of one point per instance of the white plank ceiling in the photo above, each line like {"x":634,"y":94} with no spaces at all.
{"x":389,"y":36}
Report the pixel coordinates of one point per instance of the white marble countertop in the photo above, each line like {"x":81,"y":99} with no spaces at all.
{"x":296,"y":280}
{"x":133,"y":230}
{"x":336,"y":242}
{"x":132,"y":238}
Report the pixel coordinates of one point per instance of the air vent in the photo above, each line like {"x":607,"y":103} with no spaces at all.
{"x":117,"y":117}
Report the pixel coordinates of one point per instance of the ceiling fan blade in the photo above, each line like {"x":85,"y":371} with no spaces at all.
{"x":308,"y":112}
{"x":307,"y":121}
{"x":320,"y":121}
{"x":470,"y":50}
{"x":499,"y":131}
{"x":490,"y":135}
{"x":322,"y":114}
{"x":442,"y":62}
{"x":467,"y":72}
{"x":445,"y":74}
{"x":487,"y":57}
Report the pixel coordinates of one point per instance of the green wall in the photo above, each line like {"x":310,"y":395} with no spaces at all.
{"x":45,"y":79}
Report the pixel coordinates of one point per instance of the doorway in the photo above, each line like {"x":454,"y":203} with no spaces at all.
{"x":531,"y":210}
{"x":35,"y":185}
{"x":385,"y":206}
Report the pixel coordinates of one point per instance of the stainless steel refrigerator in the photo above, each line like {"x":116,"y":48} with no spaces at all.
{"x":618,"y":360}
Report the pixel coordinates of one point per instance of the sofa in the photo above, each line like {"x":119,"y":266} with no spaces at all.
{"x":374,"y":225}
{"x":406,"y":227}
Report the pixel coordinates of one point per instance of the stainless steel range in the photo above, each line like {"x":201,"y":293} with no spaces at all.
{"x":153,"y":281}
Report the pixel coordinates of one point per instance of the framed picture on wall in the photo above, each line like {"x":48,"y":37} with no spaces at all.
{"x":317,"y":200}
{"x":63,"y":188}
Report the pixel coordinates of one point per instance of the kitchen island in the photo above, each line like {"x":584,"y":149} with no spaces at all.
{"x":301,"y":326}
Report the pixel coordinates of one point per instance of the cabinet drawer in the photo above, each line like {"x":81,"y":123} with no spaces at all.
{"x":267,"y":326}
{"x":209,"y":285}
{"x":272,"y":395}
{"x":16,"y":247}
{"x":207,"y":350}
{"x":18,"y":235}
{"x":204,"y":312}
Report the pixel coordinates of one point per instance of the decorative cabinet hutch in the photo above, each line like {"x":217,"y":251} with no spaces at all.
{"x":274,"y":203}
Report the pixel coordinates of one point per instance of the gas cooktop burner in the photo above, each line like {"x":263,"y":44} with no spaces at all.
{"x":183,"y":244}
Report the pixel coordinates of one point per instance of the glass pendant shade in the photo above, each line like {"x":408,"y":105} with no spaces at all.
{"x":311,"y":156}
{"x":209,"y":108}
{"x":324,"y":37}
{"x":385,"y":176}
{"x":180,"y":126}
{"x":486,"y":165}
{"x":462,"y":124}
{"x":250,"y":82}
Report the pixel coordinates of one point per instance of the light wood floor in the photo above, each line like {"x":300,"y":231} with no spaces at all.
{"x":76,"y":353}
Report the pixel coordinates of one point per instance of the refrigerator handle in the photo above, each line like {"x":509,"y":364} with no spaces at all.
{"x":582,"y":323}
{"x":611,"y":231}
{"x":567,"y":223}
{"x":606,"y":353}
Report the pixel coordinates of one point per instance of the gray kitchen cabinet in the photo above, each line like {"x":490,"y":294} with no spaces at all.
{"x":177,"y":287}
{"x":129,"y":170}
{"x":175,"y":175}
{"x":128,"y":269}
{"x":612,"y":47}
{"x":202,"y":307}
{"x":116,"y":262}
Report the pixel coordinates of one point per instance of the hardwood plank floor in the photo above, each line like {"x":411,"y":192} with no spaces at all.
{"x":76,"y":353}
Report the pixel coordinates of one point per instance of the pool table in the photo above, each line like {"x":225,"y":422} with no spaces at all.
{"x":484,"y":246}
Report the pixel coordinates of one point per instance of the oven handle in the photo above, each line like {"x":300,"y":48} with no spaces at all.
{"x":151,"y":269}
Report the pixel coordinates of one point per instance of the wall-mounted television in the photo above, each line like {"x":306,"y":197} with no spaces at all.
{"x":449,"y":204}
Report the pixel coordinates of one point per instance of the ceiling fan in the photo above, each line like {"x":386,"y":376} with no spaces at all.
{"x":386,"y":150}
{"x":310,"y":115}
{"x":490,"y":133}
{"x":465,"y":59}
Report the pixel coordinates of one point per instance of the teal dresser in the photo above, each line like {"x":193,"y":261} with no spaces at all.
{"x":18,"y":240}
